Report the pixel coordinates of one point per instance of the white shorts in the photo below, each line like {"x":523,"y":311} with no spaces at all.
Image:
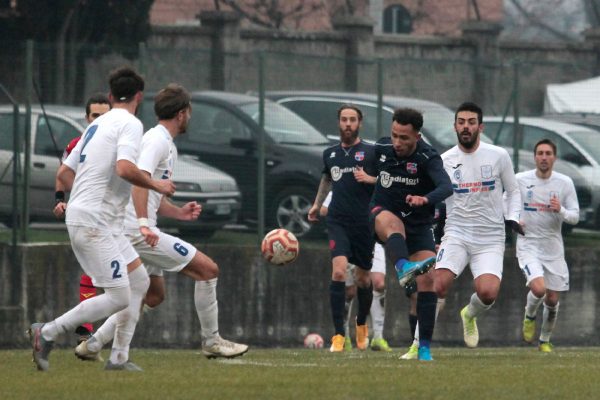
{"x":454,"y":254}
{"x":102,"y":254}
{"x":554,"y":272}
{"x":378,"y":259}
{"x":170,"y":254}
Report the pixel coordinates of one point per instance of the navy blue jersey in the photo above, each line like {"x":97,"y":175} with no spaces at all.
{"x":421,"y":174}
{"x":350,"y":201}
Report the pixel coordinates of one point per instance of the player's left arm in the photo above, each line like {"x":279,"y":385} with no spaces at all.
{"x":188,"y":212}
{"x":511,"y":197}
{"x":512,"y":193}
{"x":569,"y":208}
{"x":441,"y":180}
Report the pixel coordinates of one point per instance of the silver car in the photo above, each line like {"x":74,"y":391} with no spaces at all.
{"x":216,"y":191}
{"x":576,"y":145}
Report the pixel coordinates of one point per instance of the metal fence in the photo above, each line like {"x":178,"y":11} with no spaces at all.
{"x":273,"y":155}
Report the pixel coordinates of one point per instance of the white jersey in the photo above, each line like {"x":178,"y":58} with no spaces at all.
{"x":475,"y":210}
{"x":157,"y":156}
{"x":543,"y":239}
{"x":99,"y":196}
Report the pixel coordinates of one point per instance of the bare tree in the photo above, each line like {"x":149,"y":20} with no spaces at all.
{"x":275,"y":14}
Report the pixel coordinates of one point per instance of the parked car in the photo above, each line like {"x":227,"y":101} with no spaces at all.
{"x":224,"y":132}
{"x":319,"y":107}
{"x":576,"y":145}
{"x":216,"y":191}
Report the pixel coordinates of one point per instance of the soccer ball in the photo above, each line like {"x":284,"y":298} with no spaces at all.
{"x":313,"y":341}
{"x":280,"y":247}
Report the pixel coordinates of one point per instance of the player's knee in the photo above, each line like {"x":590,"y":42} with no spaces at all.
{"x":118,"y":298}
{"x":379,"y":286}
{"x":537,"y":287}
{"x":440,"y":289}
{"x":487,"y":296}
{"x":211,"y":271}
{"x":338,"y":276}
{"x":154,"y":299}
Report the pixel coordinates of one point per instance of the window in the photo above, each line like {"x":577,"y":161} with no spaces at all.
{"x":532,"y":135}
{"x":215,"y":125}
{"x":322,"y":114}
{"x":62,"y":131}
{"x":397,"y":19}
{"x":6,"y":130}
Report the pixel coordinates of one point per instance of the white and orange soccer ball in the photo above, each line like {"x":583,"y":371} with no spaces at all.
{"x":313,"y":341}
{"x":280,"y":247}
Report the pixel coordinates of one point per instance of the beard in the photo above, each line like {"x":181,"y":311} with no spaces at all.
{"x":348,"y":136}
{"x":467,"y":143}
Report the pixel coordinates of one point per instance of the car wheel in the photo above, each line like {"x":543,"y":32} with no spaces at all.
{"x":290,"y":211}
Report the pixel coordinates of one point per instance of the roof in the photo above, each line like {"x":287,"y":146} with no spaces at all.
{"x":549,"y":124}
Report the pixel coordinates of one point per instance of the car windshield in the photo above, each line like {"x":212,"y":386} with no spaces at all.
{"x":439,"y":124}
{"x":589,"y":141}
{"x":284,"y":126}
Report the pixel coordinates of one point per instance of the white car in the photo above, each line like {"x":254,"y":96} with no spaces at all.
{"x":216,"y":191}
{"x":577,"y":145}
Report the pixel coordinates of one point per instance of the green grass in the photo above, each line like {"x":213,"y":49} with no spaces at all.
{"x":456,"y":373}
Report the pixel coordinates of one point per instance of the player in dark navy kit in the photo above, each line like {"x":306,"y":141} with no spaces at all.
{"x":349,"y":172}
{"x":411,"y":181}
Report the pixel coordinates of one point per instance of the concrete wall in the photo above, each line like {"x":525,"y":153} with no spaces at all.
{"x":276,"y":306}
{"x":221,"y":55}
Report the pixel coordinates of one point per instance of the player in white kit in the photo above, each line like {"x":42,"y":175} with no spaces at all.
{"x":105,"y":163}
{"x":163,"y":252}
{"x":378,"y":343}
{"x":549,"y":199}
{"x":474,"y":232}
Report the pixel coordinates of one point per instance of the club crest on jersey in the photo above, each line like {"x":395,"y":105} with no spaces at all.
{"x":359,"y":155}
{"x":529,"y":195}
{"x":411,"y":167}
{"x":457,"y":174}
{"x":332,"y":154}
{"x":382,"y":158}
{"x":486,"y":171}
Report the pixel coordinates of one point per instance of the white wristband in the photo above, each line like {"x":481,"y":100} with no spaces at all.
{"x":143,"y":222}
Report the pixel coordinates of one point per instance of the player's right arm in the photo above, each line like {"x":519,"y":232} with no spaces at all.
{"x":132,"y":174}
{"x":324,"y":189}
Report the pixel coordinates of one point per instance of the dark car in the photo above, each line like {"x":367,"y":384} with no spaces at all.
{"x":224,"y":132}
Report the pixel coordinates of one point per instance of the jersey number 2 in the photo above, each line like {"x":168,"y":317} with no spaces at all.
{"x":88,"y":136}
{"x":115,"y":266}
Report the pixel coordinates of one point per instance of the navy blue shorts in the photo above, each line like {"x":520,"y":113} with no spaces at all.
{"x":418,"y":237}
{"x":355,"y":241}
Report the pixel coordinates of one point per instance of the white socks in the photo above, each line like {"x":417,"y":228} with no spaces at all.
{"x":378,"y":313}
{"x":103,"y":335}
{"x":533,"y":303}
{"x":127,"y":319}
{"x":548,"y":322}
{"x":348,"y":311}
{"x":205,"y":299}
{"x":98,"y":307}
{"x":476,"y":306}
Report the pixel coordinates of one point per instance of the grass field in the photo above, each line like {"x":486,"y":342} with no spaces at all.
{"x":456,"y":373}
